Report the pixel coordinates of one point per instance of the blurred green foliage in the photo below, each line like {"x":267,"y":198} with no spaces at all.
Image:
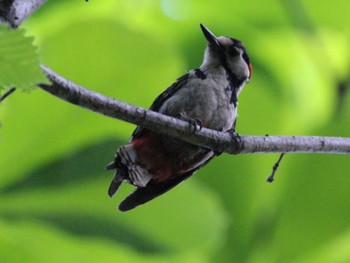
{"x":53,"y":201}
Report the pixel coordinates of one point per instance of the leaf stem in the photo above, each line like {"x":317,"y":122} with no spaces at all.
{"x":7,"y":93}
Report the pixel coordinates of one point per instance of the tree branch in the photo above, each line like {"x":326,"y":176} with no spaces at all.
{"x":218,"y":141}
{"x":16,"y":11}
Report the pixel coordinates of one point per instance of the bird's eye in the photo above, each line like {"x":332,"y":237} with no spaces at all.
{"x":233,"y":52}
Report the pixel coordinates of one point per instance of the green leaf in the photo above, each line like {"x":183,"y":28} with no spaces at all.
{"x":19,"y":64}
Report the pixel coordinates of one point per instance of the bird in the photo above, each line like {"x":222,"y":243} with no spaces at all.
{"x":207,"y":96}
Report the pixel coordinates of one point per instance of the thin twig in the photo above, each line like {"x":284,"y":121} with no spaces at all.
{"x":218,"y":141}
{"x":271,"y":178}
{"x":7,"y":93}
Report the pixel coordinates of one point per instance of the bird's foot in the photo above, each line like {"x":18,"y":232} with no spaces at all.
{"x":235,"y":137}
{"x":196,"y":123}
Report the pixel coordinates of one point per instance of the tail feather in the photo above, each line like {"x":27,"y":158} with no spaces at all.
{"x":127,"y":168}
{"x":142,"y":195}
{"x":138,"y":175}
{"x":114,"y":186}
{"x":111,"y":166}
{"x":154,"y":189}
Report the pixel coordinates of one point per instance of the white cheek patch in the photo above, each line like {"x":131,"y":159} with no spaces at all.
{"x":240,"y":68}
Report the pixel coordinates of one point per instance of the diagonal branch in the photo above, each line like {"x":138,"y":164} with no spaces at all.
{"x":218,"y":141}
{"x":16,"y":11}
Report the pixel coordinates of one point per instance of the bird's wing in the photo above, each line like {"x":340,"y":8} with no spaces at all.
{"x":138,"y":132}
{"x":153,"y":189}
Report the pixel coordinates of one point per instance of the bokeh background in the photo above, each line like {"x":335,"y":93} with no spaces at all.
{"x":53,"y":184}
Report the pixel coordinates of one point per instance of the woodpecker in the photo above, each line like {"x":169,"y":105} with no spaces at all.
{"x":155,"y":163}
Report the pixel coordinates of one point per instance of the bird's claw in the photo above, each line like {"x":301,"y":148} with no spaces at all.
{"x":197,"y":125}
{"x":235,"y":137}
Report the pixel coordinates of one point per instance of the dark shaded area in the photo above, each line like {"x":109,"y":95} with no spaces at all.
{"x":4,"y":5}
{"x":342,"y":91}
{"x":200,"y":74}
{"x":73,"y":169}
{"x":299,"y":16}
{"x":87,"y":226}
{"x":91,"y":161}
{"x":264,"y":229}
{"x":4,"y":8}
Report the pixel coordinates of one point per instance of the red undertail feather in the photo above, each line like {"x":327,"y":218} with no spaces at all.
{"x":152,"y":156}
{"x":155,"y":164}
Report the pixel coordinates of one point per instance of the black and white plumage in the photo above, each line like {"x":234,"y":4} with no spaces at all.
{"x":156,"y":163}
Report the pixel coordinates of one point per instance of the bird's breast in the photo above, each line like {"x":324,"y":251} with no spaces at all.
{"x":208,"y":100}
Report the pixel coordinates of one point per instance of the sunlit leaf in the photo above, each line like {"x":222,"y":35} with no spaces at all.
{"x":19,"y":64}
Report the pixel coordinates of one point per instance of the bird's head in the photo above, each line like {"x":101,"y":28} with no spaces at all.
{"x":227,"y":52}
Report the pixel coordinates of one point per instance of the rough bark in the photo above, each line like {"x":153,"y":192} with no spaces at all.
{"x":16,"y":11}
{"x":218,"y":141}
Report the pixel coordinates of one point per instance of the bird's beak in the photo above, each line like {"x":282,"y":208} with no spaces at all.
{"x":211,"y":38}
